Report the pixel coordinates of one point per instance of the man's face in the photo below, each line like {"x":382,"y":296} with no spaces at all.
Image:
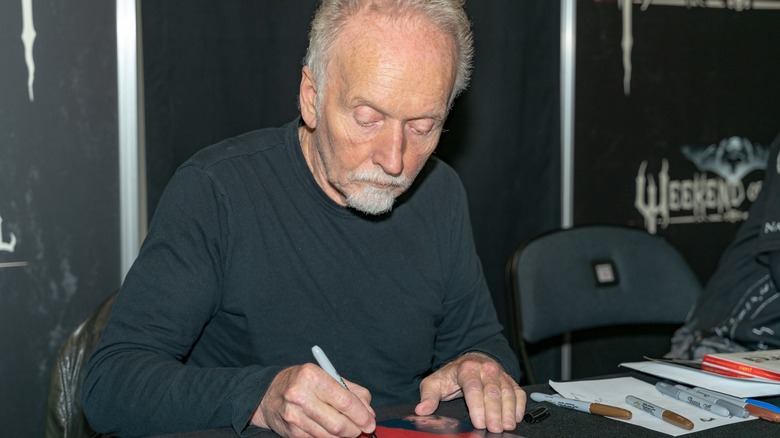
{"x":383,"y":109}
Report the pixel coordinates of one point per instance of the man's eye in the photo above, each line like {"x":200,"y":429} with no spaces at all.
{"x":421,"y":128}
{"x":365,"y":122}
{"x":366,"y":116}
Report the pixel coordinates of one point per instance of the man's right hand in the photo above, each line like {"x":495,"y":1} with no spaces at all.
{"x":304,"y":400}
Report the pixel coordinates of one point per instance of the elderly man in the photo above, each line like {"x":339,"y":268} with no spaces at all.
{"x":338,"y":229}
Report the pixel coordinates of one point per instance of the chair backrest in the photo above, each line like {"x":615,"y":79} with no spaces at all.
{"x":65,"y":417}
{"x":596,"y":276}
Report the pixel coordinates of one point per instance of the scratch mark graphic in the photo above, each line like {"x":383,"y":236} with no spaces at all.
{"x":627,"y":40}
{"x":14,"y":264}
{"x":6,"y":246}
{"x":627,"y":43}
{"x":28,"y":37}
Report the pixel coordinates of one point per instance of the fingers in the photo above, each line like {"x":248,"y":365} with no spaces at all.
{"x":513,"y":392}
{"x":363,"y":394}
{"x":430,"y":395}
{"x":427,"y":406}
{"x":482,"y":394}
{"x":335,"y":417}
{"x":521,"y":400}
{"x":440,"y":386}
{"x":306,"y":401}
{"x":495,"y":401}
{"x":502,"y":407}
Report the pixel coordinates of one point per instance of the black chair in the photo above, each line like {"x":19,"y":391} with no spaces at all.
{"x":594,"y":276}
{"x":64,"y":416}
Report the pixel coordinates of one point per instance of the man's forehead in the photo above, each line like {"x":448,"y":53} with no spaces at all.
{"x":387,"y":58}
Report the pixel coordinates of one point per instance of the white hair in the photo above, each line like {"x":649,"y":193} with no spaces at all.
{"x":448,"y":15}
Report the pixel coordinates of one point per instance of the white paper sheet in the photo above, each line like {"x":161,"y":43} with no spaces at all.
{"x":691,"y":377}
{"x":614,"y":391}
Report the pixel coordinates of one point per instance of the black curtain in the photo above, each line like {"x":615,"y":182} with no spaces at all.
{"x":214,"y":69}
{"x":504,"y":132}
{"x":59,"y":192}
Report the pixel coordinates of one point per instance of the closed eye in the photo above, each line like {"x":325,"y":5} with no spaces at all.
{"x":366,"y":123}
{"x":366,"y":116}
{"x":422,"y":126}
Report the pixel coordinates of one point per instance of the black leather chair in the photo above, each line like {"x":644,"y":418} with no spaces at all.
{"x":65,"y":417}
{"x":594,"y":276}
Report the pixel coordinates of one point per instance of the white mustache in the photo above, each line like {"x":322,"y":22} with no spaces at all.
{"x":381,"y":178}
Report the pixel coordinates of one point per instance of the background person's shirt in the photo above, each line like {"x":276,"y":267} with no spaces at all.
{"x":739,"y":308}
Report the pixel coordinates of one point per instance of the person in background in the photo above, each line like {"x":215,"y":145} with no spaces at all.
{"x":338,"y":229}
{"x":739,"y":309}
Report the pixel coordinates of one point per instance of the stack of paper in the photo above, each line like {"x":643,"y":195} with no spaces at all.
{"x":751,"y":364}
{"x":737,"y":387}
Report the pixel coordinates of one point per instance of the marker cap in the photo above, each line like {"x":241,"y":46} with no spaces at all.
{"x":536,"y":415}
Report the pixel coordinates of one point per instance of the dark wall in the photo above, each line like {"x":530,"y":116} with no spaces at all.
{"x":667,"y":156}
{"x":703,"y":100}
{"x":216,"y":69}
{"x":58,"y":192}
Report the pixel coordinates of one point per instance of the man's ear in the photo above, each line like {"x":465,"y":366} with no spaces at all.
{"x":308,"y":98}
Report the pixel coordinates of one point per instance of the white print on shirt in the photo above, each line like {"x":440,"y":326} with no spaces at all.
{"x":771,"y":227}
{"x":777,"y":164}
{"x":764,"y":330}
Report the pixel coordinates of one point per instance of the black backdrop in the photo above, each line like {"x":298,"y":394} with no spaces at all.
{"x":59,"y":192}
{"x":700,"y":76}
{"x":214,"y":69}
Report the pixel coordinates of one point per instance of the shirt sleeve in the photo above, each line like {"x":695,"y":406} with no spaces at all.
{"x":769,"y":237}
{"x":137,"y":381}
{"x":469,"y":320}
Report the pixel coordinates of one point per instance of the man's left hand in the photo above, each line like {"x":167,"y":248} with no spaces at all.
{"x":495,"y":401}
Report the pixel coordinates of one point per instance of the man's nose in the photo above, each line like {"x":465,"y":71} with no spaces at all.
{"x":389,"y":150}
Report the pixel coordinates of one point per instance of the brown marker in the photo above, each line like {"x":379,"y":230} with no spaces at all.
{"x":764,"y":414}
{"x":610,"y":411}
{"x":677,"y":419}
{"x":659,"y":412}
{"x":582,"y":406}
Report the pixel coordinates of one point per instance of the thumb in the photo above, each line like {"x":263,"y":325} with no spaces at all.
{"x":430,"y":396}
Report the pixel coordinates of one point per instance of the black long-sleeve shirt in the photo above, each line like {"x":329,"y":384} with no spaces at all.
{"x":248,"y":264}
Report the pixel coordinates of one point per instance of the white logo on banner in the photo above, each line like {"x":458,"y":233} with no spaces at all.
{"x":732,"y":158}
{"x":664,"y":201}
